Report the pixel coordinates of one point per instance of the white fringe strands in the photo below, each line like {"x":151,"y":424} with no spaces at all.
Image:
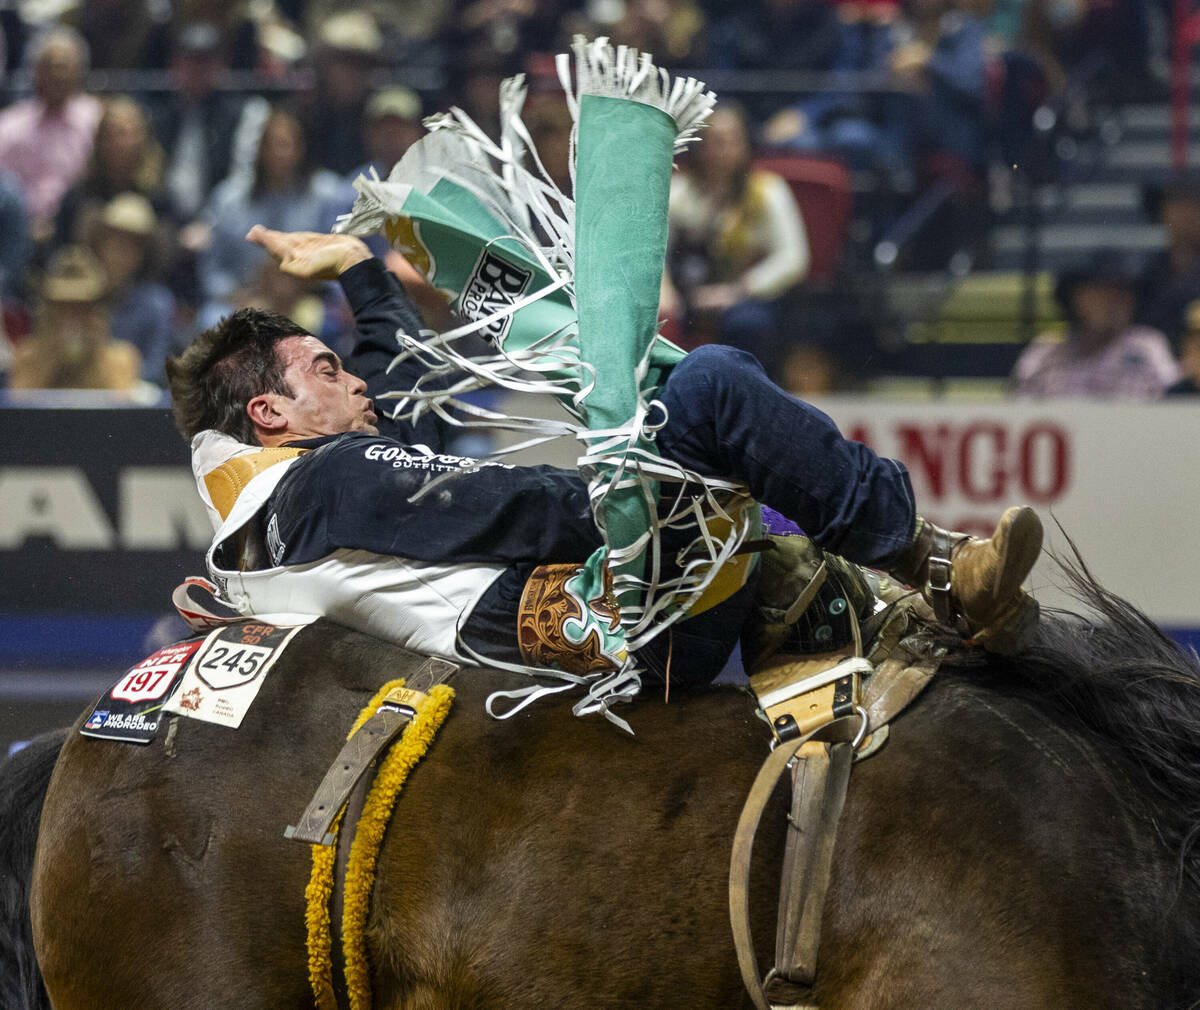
{"x":537,"y":215}
{"x":623,"y":72}
{"x":508,"y":179}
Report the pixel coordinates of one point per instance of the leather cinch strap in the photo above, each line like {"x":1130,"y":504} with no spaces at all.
{"x":822,"y":725}
{"x":820,"y":778}
{"x":360,"y":752}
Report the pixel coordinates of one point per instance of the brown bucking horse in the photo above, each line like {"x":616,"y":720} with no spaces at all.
{"x":1025,"y":839}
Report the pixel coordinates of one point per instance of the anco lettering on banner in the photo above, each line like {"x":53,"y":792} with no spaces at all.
{"x":969,"y":463}
{"x":977,"y":461}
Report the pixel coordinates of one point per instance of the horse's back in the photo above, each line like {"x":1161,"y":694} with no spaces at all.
{"x":552,"y":859}
{"x":576,"y":866}
{"x":988,"y":857}
{"x":984,"y":858}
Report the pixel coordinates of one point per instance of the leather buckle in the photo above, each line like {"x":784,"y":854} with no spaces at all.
{"x":941,"y":570}
{"x":795,"y":708}
{"x":939,"y":575}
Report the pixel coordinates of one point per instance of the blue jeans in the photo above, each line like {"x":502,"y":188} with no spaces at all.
{"x":725,"y":418}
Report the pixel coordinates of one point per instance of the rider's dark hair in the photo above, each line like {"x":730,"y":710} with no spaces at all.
{"x":224,"y":368}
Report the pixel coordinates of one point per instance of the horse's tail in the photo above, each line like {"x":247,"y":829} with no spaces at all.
{"x":24,"y":778}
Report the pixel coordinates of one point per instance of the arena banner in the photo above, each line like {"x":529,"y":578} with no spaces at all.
{"x":99,"y":518}
{"x":99,"y":521}
{"x":1122,"y":480}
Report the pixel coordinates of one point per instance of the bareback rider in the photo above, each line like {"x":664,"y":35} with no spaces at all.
{"x":325,"y":506}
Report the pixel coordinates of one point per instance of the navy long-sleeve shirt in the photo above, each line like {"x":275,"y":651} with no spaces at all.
{"x":356,"y":490}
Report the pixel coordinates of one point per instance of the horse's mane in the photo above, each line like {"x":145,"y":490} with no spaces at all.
{"x":1115,"y":676}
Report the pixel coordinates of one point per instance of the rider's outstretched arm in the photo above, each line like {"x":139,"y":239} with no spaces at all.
{"x":380,"y":306}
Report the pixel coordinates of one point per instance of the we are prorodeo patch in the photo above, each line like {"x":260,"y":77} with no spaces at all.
{"x":226,"y":674}
{"x":132,"y":709}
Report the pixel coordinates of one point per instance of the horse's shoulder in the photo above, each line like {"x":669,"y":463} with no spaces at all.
{"x":984,"y":717}
{"x":1000,"y":754}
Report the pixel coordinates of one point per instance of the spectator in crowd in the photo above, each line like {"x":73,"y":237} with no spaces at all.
{"x":1170,"y":280}
{"x":857,"y":124}
{"x":348,"y":48}
{"x":299,"y":299}
{"x":126,"y":34}
{"x":775,"y":35}
{"x":15,"y":243}
{"x":939,"y":61}
{"x":866,"y":33}
{"x":391,"y":125}
{"x":1103,"y":354}
{"x":125,"y":159}
{"x":239,"y":26}
{"x":72,"y":346}
{"x":673,"y":30}
{"x":1189,"y":354}
{"x":45,"y":140}
{"x":409,"y":27}
{"x":126,"y":239}
{"x":1102,"y":45}
{"x":737,"y":243}
{"x":507,"y":30}
{"x":939,"y":67}
{"x":202,"y":128}
{"x":473,"y":82}
{"x":286,"y":193}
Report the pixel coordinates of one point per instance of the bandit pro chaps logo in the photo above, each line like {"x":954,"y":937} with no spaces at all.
{"x":495,"y":284}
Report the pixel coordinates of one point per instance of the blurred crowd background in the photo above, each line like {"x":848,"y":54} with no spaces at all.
{"x":914,"y":193}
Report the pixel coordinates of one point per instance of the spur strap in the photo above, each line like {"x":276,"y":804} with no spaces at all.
{"x":939,"y":582}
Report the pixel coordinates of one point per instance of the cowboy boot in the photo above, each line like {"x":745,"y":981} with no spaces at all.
{"x":974,"y":585}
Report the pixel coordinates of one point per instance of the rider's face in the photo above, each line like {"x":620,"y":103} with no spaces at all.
{"x":326,"y":400}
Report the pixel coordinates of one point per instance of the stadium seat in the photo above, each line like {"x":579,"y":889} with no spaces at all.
{"x":821,"y":186}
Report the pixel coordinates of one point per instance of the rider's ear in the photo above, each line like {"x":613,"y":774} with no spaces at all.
{"x":264,"y":413}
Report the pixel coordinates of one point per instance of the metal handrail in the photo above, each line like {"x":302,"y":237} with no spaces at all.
{"x":429,"y":78}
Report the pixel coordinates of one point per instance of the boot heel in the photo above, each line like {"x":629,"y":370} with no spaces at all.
{"x":1012,"y":630}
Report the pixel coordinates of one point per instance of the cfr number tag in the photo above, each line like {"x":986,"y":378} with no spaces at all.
{"x":229,"y":665}
{"x":227,"y":673}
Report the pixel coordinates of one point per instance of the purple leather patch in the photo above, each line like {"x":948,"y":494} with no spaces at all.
{"x":777,"y":524}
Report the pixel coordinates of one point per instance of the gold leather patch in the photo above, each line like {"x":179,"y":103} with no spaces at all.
{"x":401,"y":233}
{"x":731,"y":577}
{"x":545,"y":606}
{"x":405,"y":696}
{"x":809,"y":708}
{"x":229,"y":480}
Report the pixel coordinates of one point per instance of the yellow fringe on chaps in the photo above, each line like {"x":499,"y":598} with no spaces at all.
{"x":400,"y":759}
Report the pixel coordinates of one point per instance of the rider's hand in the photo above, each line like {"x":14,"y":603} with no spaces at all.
{"x":311,"y":254}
